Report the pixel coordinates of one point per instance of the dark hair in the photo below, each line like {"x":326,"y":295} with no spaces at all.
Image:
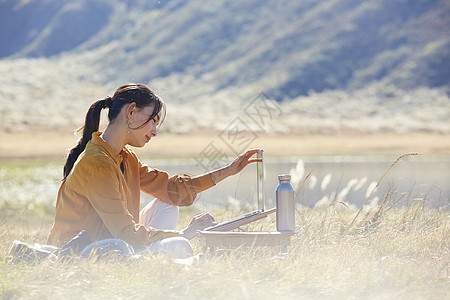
{"x":126,"y":94}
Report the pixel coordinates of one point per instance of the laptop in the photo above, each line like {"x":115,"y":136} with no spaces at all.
{"x":252,"y":216}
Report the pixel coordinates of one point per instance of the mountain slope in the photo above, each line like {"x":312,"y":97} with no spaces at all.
{"x":225,"y":50}
{"x":305,"y":45}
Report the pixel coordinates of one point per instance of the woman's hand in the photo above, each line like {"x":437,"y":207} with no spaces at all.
{"x":242,"y":161}
{"x":238,"y":164}
{"x":199,"y":222}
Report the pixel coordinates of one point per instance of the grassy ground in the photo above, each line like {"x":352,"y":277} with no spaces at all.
{"x":398,"y":249}
{"x":387,"y":253}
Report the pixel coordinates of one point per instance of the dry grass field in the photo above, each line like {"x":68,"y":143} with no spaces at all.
{"x":400,"y":253}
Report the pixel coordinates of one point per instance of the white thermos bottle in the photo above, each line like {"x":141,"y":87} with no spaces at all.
{"x":285,"y":204}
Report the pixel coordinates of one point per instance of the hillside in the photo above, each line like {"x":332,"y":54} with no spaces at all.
{"x":373,"y":60}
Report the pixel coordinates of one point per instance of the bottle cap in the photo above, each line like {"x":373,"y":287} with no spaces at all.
{"x":284,"y":177}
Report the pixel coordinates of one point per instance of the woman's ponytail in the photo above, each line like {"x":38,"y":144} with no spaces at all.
{"x":91,"y":125}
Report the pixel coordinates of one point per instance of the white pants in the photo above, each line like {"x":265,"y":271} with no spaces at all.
{"x":160,"y":215}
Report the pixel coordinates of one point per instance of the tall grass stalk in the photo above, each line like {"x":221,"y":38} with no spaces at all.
{"x":378,"y":183}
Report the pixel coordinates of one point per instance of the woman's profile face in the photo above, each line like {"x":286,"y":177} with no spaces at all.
{"x":142,"y":135}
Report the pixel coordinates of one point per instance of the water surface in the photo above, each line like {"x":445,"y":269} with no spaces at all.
{"x":413,"y":178}
{"x":417,"y":178}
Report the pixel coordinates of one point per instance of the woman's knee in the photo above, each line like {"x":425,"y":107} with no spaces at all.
{"x":160,"y":215}
{"x":164,"y":206}
{"x":177,"y":247}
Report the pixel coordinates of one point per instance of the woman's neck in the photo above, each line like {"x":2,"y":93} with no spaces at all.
{"x":115,"y":137}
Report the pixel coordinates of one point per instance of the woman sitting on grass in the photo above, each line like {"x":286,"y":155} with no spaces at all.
{"x":103,"y":178}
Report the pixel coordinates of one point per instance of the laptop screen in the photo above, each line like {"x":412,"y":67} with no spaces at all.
{"x":260,"y":180}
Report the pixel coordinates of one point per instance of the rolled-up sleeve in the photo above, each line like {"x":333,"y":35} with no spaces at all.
{"x":103,"y":189}
{"x":179,"y":190}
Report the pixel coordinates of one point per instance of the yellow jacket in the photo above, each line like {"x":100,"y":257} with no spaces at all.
{"x":97,"y":197}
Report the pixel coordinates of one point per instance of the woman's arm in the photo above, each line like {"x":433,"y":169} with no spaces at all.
{"x":235,"y":167}
{"x":182,"y":190}
{"x":179,"y":190}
